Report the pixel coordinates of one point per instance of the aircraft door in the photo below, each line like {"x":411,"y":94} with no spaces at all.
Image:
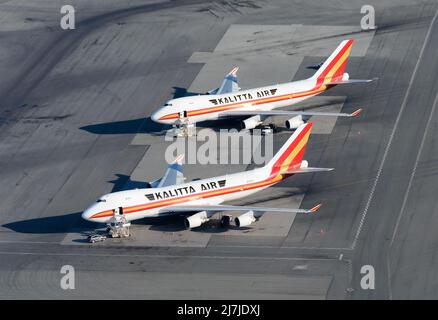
{"x":183,"y":114}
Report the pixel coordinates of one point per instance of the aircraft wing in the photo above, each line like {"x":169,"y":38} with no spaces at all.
{"x":288,"y":113}
{"x":214,"y":208}
{"x":229,"y":84}
{"x":174,"y":174}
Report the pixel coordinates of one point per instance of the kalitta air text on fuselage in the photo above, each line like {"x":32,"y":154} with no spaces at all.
{"x":243,"y":97}
{"x":182,"y":191}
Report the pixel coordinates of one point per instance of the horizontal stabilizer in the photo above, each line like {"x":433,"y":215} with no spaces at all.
{"x":307,"y":170}
{"x":352,"y":81}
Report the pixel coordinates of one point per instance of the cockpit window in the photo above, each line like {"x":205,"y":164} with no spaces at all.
{"x":167,"y":104}
{"x":101,"y":200}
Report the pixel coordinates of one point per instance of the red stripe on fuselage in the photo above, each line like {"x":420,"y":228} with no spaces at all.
{"x":208,"y":194}
{"x":235,"y":105}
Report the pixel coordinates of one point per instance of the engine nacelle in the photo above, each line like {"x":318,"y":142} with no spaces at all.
{"x":226,"y":221}
{"x":252,"y":122}
{"x":294,"y":122}
{"x":245,"y":219}
{"x":196,"y":220}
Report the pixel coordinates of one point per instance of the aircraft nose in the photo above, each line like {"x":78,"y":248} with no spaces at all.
{"x":157,"y":115}
{"x":86,"y":215}
{"x":89,"y":212}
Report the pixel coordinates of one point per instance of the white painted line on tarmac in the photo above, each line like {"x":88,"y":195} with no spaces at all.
{"x":388,"y":146}
{"x":414,"y":170}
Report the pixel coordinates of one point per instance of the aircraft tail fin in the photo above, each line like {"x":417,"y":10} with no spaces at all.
{"x":332,"y":69}
{"x":290,"y":155}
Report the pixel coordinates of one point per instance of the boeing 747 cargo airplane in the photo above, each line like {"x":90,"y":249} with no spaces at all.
{"x":259,"y":103}
{"x":171,"y":195}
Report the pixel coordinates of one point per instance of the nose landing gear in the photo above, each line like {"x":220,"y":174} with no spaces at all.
{"x":183,"y":127}
{"x":118,"y":227}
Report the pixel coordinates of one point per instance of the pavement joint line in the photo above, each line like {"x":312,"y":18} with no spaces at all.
{"x":414,"y":169}
{"x":408,"y":189}
{"x":388,"y":146}
{"x":407,"y":193}
{"x":168,"y":256}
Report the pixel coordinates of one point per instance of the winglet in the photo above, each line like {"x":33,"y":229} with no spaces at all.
{"x":179,"y":159}
{"x":233,"y":72}
{"x":315,"y":208}
{"x":357,"y":112}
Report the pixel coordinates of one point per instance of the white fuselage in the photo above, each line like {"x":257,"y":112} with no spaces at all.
{"x":150,"y":202}
{"x":209,"y":107}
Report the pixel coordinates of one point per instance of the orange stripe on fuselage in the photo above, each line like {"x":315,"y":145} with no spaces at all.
{"x":204,"y":195}
{"x":333,"y":71}
{"x":236,"y":105}
{"x":290,"y":158}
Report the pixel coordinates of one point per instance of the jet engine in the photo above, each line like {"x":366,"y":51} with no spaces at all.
{"x":294,"y":122}
{"x":245,"y":219}
{"x":196,"y":220}
{"x":225,"y":221}
{"x":252,"y":122}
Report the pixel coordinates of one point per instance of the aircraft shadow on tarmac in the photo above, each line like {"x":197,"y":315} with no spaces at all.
{"x":55,"y":224}
{"x":179,"y":92}
{"x":124,"y":182}
{"x":134,"y":126}
{"x":67,"y":222}
{"x":146,"y":125}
